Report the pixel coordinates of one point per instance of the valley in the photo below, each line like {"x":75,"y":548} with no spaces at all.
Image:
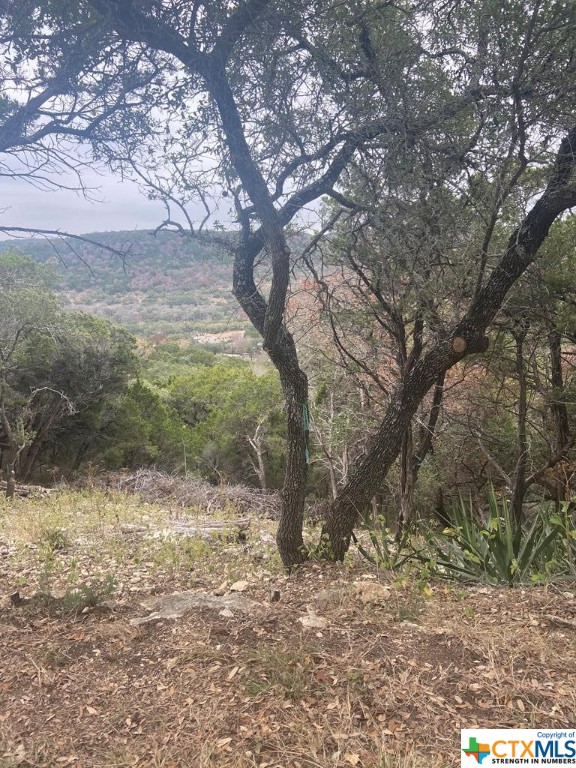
{"x":157,"y":285}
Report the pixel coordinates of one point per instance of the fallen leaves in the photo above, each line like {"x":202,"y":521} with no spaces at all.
{"x":322,"y":679}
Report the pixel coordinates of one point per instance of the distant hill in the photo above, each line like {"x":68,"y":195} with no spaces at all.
{"x":164,"y":285}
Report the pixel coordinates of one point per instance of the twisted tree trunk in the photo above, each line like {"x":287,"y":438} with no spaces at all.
{"x":467,"y":337}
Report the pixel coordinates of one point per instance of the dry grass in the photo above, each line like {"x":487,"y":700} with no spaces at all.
{"x":387,"y":684}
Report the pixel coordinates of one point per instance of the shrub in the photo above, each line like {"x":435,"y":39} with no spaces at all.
{"x":498,"y":551}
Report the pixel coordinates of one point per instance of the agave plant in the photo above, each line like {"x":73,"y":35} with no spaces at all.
{"x":499,"y":550}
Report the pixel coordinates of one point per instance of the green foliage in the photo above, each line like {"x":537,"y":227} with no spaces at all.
{"x":170,"y":359}
{"x":564,"y":520}
{"x":75,"y":599}
{"x":497,"y":552}
{"x":54,"y":366}
{"x":90,"y":595}
{"x":384,"y":552}
{"x":223,"y":406}
{"x":180,"y":553}
{"x":137,"y":429}
{"x":70,"y":395}
{"x":54,"y":540}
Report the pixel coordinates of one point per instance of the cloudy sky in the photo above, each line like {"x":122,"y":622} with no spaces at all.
{"x":113,"y":205}
{"x":119,"y":205}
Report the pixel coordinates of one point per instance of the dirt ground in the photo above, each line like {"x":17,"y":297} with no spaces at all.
{"x":383,"y":670}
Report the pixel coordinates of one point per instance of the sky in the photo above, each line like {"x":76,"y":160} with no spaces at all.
{"x":115,"y":205}
{"x":120,"y":206}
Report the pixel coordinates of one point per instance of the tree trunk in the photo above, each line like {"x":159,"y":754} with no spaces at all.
{"x":282,"y":352}
{"x":407,"y":483}
{"x":467,"y":337}
{"x":10,"y":474}
{"x":267,"y":315}
{"x":366,"y":481}
{"x":12,"y":450}
{"x":557,"y":403}
{"x":289,"y":534}
{"x":30,"y":453}
{"x":519,"y":489}
{"x":257,"y":444}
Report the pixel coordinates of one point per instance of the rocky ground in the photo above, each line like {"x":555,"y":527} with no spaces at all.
{"x":125,"y":643}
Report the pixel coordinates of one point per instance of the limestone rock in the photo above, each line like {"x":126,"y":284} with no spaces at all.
{"x":312,"y":621}
{"x":178,"y":605}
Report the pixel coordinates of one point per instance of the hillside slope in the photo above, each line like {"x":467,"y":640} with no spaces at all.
{"x":165,"y":284}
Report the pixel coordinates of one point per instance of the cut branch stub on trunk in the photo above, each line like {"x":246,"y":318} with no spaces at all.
{"x":522,"y":250}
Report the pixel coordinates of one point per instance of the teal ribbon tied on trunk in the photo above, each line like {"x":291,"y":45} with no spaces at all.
{"x":306,"y":426}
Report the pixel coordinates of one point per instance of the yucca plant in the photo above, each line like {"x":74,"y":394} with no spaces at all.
{"x":498,"y":551}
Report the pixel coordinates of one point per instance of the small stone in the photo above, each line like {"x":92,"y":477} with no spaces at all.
{"x":239,"y":586}
{"x":222,"y":589}
{"x":226,"y":613}
{"x":313,"y":622}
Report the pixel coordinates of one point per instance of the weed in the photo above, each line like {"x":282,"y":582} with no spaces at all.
{"x":386,"y":553}
{"x":182,"y":552}
{"x":358,"y":682}
{"x":88,"y":595}
{"x":74,"y":600}
{"x":53,"y":657}
{"x":55,"y":540}
{"x":410,"y":608}
{"x":288,"y":671}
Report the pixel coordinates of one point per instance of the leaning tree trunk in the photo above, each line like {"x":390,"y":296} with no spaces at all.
{"x":412,"y":459}
{"x":354,"y":499}
{"x":467,"y":337}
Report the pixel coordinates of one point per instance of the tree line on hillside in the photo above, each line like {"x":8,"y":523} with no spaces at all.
{"x":441,"y":136}
{"x":75,"y":393}
{"x":148,"y":282}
